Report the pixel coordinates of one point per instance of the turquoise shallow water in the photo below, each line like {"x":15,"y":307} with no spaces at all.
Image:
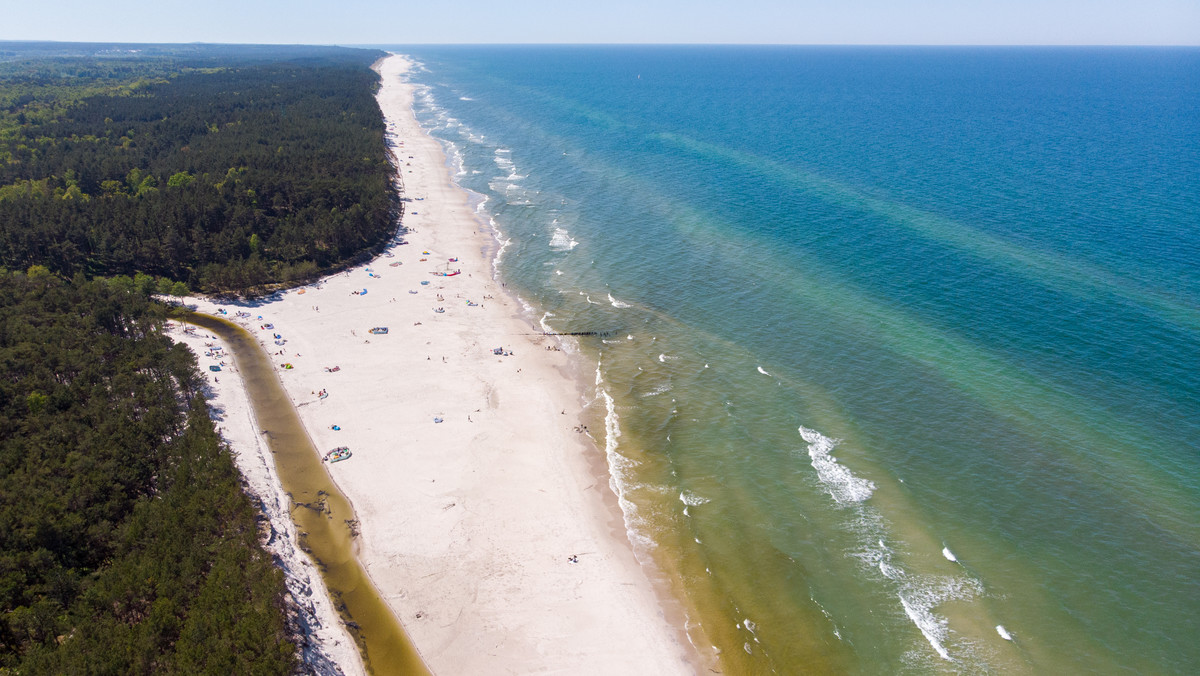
{"x":900,"y":345}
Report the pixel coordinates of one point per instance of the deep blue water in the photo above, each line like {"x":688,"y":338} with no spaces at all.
{"x":872,"y":309}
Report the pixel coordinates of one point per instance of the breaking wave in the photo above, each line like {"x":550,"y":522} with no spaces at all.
{"x":616,"y":303}
{"x":841,"y":483}
{"x":561,"y":240}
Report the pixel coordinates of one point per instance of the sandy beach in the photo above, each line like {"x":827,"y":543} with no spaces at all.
{"x":486,"y":517}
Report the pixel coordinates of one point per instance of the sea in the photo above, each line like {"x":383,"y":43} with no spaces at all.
{"x":893,"y":352}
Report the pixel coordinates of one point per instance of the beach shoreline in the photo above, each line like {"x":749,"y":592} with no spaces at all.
{"x":485,"y":513}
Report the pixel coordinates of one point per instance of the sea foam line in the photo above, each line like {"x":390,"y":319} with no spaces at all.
{"x":931,"y":626}
{"x":616,"y":303}
{"x":618,"y":466}
{"x":918,"y":594}
{"x":841,"y":483}
{"x":561,"y":240}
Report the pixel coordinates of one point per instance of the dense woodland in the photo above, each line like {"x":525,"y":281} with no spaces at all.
{"x":126,"y":542}
{"x":224,"y":172}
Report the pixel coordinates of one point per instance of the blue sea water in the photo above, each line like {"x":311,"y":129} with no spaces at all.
{"x":899,"y":352}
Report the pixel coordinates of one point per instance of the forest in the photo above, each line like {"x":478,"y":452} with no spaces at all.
{"x":228,"y":170}
{"x":127,"y":544}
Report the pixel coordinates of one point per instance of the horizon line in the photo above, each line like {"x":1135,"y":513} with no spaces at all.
{"x":611,"y":44}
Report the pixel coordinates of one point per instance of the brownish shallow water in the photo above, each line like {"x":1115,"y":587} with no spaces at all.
{"x":323,"y":516}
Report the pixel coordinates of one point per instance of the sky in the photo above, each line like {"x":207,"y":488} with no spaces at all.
{"x":401,"y":22}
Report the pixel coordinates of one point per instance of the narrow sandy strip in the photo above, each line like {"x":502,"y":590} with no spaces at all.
{"x":468,"y":525}
{"x":325,"y":643}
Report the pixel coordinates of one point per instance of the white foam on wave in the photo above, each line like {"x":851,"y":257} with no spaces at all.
{"x":949,"y":555}
{"x":828,"y":616}
{"x":616,"y":303}
{"x":542,"y":322}
{"x":919,"y":595}
{"x":618,"y":470}
{"x":505,"y":242}
{"x":656,"y":391}
{"x":456,"y":159}
{"x":931,"y":626}
{"x":561,"y":240}
{"x":465,"y":98}
{"x":763,"y":371}
{"x":889,"y":571}
{"x":692,"y":500}
{"x":664,"y":358}
{"x":841,"y":483}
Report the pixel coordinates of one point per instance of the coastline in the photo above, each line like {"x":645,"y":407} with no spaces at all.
{"x":325,"y":644}
{"x":486,"y":519}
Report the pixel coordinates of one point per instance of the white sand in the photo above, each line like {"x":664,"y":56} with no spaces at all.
{"x":467,"y":524}
{"x":325,"y":643}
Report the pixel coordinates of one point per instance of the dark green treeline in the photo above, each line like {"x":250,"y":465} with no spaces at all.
{"x":126,"y":542}
{"x":225,"y":168}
